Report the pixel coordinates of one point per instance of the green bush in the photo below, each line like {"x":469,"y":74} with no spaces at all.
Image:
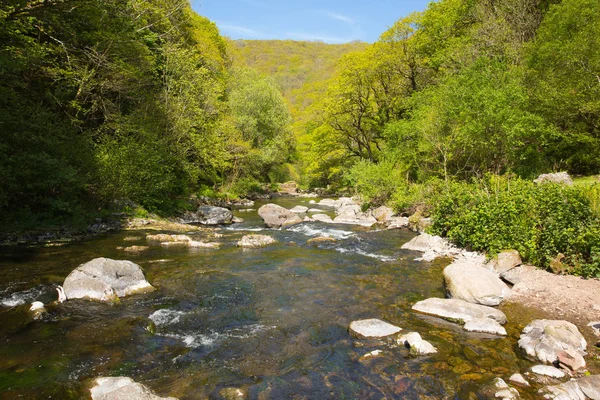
{"x":375,"y":183}
{"x":540,"y":222}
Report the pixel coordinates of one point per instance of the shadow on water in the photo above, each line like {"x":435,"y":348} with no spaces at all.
{"x":273,"y":320}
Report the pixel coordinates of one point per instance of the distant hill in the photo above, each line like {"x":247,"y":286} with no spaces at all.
{"x":300,"y":68}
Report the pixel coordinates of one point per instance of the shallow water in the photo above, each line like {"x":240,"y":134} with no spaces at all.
{"x":272,"y":321}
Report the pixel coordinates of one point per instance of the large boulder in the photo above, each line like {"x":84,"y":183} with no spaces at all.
{"x":558,"y":177}
{"x":276,"y":216}
{"x":470,"y":281}
{"x":458,"y":310}
{"x":208,"y":215}
{"x":104,"y":279}
{"x":373,"y":328}
{"x":122,"y":388}
{"x":552,"y":341}
{"x":584,"y":388}
{"x":256,"y":241}
{"x":383,"y":214}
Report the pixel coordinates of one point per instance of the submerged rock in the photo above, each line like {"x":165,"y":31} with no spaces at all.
{"x":552,"y":341}
{"x":256,"y":241}
{"x":417,"y":345}
{"x":276,"y":216}
{"x":122,"y":388}
{"x":208,"y":215}
{"x":469,"y":281}
{"x":321,"y":239}
{"x":37,"y":309}
{"x":373,"y":328}
{"x":485,"y":325}
{"x":136,"y":249}
{"x":233,"y":394}
{"x":457,"y":310}
{"x":505,"y":261}
{"x":180,"y":241}
{"x":104,"y":279}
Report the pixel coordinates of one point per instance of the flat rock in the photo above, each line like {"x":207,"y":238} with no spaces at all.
{"x":470,"y":281}
{"x":518,"y":274}
{"x":136,"y":249}
{"x":122,"y":388}
{"x":485,"y":325}
{"x":165,"y":238}
{"x":547,"y":370}
{"x":276,"y":216}
{"x":208,"y":215}
{"x":552,"y":341}
{"x":104,"y":279}
{"x":565,"y":391}
{"x":256,"y":241}
{"x":373,"y":328}
{"x":416,"y":344}
{"x":314,"y":210}
{"x":322,"y":218}
{"x":505,"y":261}
{"x":397,"y":223}
{"x":458,"y":310}
{"x":299,"y":209}
{"x":590,"y":386}
{"x":518,"y":379}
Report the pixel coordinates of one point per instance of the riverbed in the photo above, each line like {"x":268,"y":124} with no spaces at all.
{"x":272,"y":321}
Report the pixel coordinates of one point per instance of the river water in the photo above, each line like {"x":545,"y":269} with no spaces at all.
{"x":273,"y":321}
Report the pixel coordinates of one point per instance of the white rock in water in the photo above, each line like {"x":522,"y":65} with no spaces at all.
{"x":506,"y":392}
{"x":256,"y":241}
{"x":373,"y":328}
{"x":299,"y":209}
{"x":328,"y":203}
{"x":122,"y":388}
{"x":417,"y":345}
{"x":518,"y":379}
{"x":547,"y":370}
{"x":458,"y":310}
{"x":37,"y":306}
{"x":565,"y":391}
{"x":485,"y":325}
{"x":276,"y":216}
{"x":322,"y":218}
{"x":104,"y":279}
{"x":470,"y":281}
{"x":553,"y":340}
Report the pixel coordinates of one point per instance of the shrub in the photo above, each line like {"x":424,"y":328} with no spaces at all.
{"x":375,"y":183}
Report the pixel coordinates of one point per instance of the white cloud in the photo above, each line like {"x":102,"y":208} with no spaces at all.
{"x":317,"y":37}
{"x":228,"y":29}
{"x":339,"y":17}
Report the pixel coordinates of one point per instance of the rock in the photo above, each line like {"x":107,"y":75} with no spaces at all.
{"x":299,"y":209}
{"x":308,"y":219}
{"x":547,"y":370}
{"x":37,"y":309}
{"x":233,"y":394}
{"x":203,"y":245}
{"x":104,"y":279}
{"x":504,"y":261}
{"x":565,"y":391}
{"x":164,"y":238}
{"x":322,"y":218}
{"x":485,"y":325}
{"x":135,"y":249}
{"x":237,"y":220}
{"x":432,"y":246}
{"x":595,"y":327}
{"x":518,"y":379}
{"x":276,"y":216}
{"x":370,"y":328}
{"x":314,"y":210}
{"x":256,"y":241}
{"x":458,"y":310}
{"x":328,"y":203}
{"x":312,"y":202}
{"x":518,"y":274}
{"x":131,"y":239}
{"x":552,"y":341}
{"x":417,"y":345}
{"x":383,"y":214}
{"x":374,"y":353}
{"x":352,"y":214}
{"x":290,"y":187}
{"x":590,"y":386}
{"x":558,"y":177}
{"x":504,"y":391}
{"x":321,"y":239}
{"x":122,"y":388}
{"x":469,"y":281}
{"x":208,"y":215}
{"x":397,"y":222}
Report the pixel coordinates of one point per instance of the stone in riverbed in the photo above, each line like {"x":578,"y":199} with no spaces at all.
{"x":518,"y":379}
{"x":276,"y":216}
{"x":469,"y":281}
{"x":233,"y":394}
{"x":299,"y":210}
{"x":504,"y":262}
{"x":37,"y":309}
{"x":321,"y":239}
{"x":122,"y":388}
{"x":383,"y":214}
{"x":432,"y":247}
{"x":256,"y":241}
{"x":584,"y":388}
{"x":104,"y":279}
{"x":485,"y":325}
{"x":552,"y":341}
{"x":457,"y":310}
{"x":322,"y":218}
{"x":373,"y":328}
{"x":208,"y":215}
{"x":136,"y":249}
{"x":503,"y":391}
{"x":416,"y":344}
{"x":547,"y":370}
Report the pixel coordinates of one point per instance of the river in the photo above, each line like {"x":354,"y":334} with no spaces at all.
{"x":273,"y":321}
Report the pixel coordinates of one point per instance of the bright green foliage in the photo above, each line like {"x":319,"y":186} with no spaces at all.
{"x":375,"y":182}
{"x":540,"y":222}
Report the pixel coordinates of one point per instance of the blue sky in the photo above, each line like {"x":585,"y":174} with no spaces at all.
{"x":331,"y":21}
